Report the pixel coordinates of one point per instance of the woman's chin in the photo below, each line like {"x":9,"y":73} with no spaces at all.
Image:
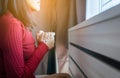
{"x":35,"y":9}
{"x":38,"y":9}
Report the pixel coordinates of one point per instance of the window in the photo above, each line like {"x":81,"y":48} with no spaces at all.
{"x":94,"y":7}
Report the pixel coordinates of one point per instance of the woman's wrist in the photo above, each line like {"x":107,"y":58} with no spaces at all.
{"x":42,"y":43}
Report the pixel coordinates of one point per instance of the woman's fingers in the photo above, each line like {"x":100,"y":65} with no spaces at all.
{"x":47,"y":38}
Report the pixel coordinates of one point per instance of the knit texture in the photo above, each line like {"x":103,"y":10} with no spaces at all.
{"x":19,"y":57}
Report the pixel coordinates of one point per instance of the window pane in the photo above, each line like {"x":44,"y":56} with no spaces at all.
{"x":105,"y":1}
{"x":115,"y":2}
{"x":94,"y":7}
{"x":109,"y":4}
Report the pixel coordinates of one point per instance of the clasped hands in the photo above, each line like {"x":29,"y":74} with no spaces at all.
{"x":47,"y":37}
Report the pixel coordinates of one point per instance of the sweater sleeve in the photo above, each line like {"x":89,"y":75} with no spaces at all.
{"x":15,"y":66}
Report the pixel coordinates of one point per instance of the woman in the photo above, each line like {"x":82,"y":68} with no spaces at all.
{"x":18,"y":55}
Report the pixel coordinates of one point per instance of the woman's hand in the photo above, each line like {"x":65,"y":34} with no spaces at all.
{"x":47,"y":38}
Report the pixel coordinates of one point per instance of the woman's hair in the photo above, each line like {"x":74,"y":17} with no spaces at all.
{"x":19,"y":9}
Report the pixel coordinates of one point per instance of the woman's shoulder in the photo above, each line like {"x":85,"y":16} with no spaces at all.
{"x":8,"y":18}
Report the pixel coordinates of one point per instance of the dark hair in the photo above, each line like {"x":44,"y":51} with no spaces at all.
{"x":19,"y":8}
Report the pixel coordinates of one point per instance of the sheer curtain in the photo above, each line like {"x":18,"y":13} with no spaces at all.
{"x":58,"y":16}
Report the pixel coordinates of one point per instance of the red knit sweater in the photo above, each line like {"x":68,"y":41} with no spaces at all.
{"x":18,"y":55}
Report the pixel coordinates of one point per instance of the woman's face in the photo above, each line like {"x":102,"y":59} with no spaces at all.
{"x":34,"y":4}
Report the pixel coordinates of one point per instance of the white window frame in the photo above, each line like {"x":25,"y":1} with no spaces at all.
{"x":95,"y":7}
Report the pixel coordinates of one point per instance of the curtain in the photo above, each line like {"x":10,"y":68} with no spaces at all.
{"x":58,"y":16}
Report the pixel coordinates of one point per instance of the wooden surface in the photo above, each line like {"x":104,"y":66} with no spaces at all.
{"x":101,"y":37}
